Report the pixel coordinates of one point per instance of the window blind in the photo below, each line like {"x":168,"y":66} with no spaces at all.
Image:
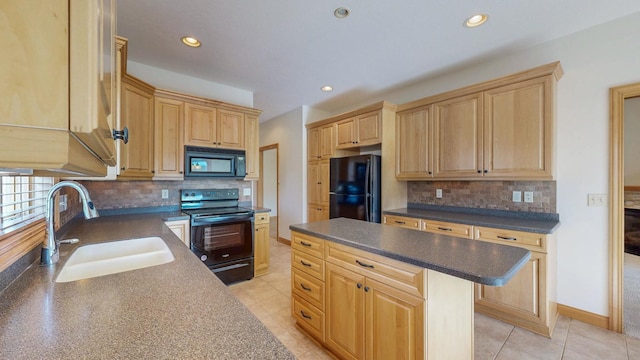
{"x":22,"y":200}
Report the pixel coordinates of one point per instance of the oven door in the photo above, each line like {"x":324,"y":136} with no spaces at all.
{"x":223,"y":239}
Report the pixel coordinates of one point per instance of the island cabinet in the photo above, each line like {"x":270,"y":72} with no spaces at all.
{"x":261,"y":245}
{"x":500,"y":129}
{"x":136,"y":114}
{"x":58,"y":86}
{"x":361,"y":130}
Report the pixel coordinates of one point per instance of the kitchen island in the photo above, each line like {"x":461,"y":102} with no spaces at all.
{"x":177,"y":310}
{"x":371,"y":290}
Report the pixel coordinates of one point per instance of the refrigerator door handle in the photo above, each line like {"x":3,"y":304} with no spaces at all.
{"x":367,"y":191}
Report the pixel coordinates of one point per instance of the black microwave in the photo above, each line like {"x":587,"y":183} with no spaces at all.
{"x":213,"y":162}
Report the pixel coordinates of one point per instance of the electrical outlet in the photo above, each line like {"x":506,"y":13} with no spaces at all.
{"x":246,"y":191}
{"x":63,"y":203}
{"x":439,"y":193}
{"x":517,"y":196}
{"x":165,"y":193}
{"x":596,"y":200}
{"x":528,"y":196}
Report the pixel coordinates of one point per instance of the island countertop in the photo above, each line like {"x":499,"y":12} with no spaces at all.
{"x":477,"y":261}
{"x":177,"y":310}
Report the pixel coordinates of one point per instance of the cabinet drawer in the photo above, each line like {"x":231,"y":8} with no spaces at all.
{"x":261,"y":218}
{"x":446,"y":228}
{"x":308,"y":287}
{"x":399,"y":275}
{"x":308,"y":244}
{"x":308,"y":264}
{"x":531,"y":241}
{"x":308,"y":317}
{"x":401,"y":221}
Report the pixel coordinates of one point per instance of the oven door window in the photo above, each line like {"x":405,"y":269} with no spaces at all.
{"x":222,"y":237}
{"x":211,"y":165}
{"x":224,"y":242}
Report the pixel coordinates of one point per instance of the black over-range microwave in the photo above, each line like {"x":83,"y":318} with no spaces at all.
{"x":213,"y":162}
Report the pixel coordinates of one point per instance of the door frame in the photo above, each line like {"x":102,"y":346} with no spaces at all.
{"x":260,"y":197}
{"x":617,"y":95}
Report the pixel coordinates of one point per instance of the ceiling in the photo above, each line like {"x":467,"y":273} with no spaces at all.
{"x":284,"y":51}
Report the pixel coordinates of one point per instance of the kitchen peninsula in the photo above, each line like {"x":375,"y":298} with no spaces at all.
{"x":178,"y":310}
{"x":352,"y":279}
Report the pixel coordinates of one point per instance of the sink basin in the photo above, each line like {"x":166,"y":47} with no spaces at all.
{"x":95,"y":260}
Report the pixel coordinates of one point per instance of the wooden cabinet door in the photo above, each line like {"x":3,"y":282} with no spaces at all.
{"x":136,"y":157}
{"x":458,"y":137}
{"x":345,"y":312}
{"x":200,"y":125}
{"x":523,"y":297}
{"x":261,"y":249}
{"x":323,"y":186}
{"x":313,"y":182}
{"x":327,"y":145}
{"x":252,"y":144}
{"x":313,"y":144}
{"x":182,"y":229}
{"x":346,"y":134}
{"x":169,"y":139}
{"x":369,"y":128}
{"x":230,"y":129}
{"x":413,"y":145}
{"x":317,"y":212}
{"x":394,"y":323}
{"x":518,"y":130}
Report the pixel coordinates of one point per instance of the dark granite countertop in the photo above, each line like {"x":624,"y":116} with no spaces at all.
{"x":259,"y":209}
{"x":179,"y":310}
{"x":511,"y":220}
{"x":477,"y":261}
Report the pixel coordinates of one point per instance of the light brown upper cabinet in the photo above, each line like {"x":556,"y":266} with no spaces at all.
{"x":169,"y":139}
{"x":252,"y":145}
{"x":502,"y":129}
{"x":458,"y":137}
{"x":413,"y":133}
{"x":361,"y":130}
{"x":211,"y":127}
{"x":320,"y":142}
{"x":136,"y":156}
{"x":43,"y":101}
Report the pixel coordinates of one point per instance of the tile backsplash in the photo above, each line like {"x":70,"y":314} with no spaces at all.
{"x":496,"y":195}
{"x":632,"y":198}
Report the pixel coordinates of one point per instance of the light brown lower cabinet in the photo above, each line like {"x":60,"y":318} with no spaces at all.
{"x":261,"y":245}
{"x":182,"y":229}
{"x":366,"y":306}
{"x":528,"y":300}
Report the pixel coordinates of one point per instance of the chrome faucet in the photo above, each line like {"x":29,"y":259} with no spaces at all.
{"x":49,"y":253}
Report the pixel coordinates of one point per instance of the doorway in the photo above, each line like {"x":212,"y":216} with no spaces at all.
{"x":268,"y":186}
{"x":618,"y":95}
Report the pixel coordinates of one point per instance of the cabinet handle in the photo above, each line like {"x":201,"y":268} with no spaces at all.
{"x":364,"y":264}
{"x":304,"y":243}
{"x":121,"y":135}
{"x":359,"y":286}
{"x":304,"y":287}
{"x":304,"y":315}
{"x":507,"y":238}
{"x":366,"y":289}
{"x":305,"y":264}
{"x":444,"y":229}
{"x":400,"y":222}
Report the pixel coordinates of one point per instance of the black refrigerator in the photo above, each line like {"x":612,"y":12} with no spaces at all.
{"x":354,"y":188}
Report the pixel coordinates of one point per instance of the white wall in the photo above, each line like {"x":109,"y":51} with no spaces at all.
{"x":594,"y":60}
{"x":632,"y":142}
{"x":270,"y":177}
{"x":169,"y":80}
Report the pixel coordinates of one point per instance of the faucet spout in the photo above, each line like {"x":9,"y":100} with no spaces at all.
{"x":49,"y":253}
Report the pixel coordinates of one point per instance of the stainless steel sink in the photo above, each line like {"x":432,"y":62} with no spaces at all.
{"x":114,"y":257}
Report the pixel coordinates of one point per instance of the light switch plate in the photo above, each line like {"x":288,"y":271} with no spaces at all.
{"x":528,"y":196}
{"x":165,"y":193}
{"x":246,"y":191}
{"x":517,"y":196}
{"x":439,"y":193}
{"x":597,"y":200}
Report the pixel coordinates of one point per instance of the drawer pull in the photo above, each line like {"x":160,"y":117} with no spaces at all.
{"x":305,"y":264}
{"x":400,"y":222}
{"x":304,"y":315}
{"x":364,"y":264}
{"x":445,"y":229}
{"x":507,"y":238}
{"x":305,"y":288}
{"x":305,"y":244}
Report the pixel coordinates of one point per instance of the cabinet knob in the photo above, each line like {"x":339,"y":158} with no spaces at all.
{"x":430,"y":173}
{"x":123,"y":168}
{"x":153,"y":171}
{"x":486,"y":171}
{"x":359,"y":285}
{"x":479,"y":171}
{"x":366,"y":289}
{"x":180,"y":172}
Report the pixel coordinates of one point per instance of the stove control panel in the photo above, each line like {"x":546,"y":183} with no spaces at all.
{"x":209,"y":194}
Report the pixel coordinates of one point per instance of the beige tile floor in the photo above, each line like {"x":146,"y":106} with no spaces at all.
{"x":268,"y":297}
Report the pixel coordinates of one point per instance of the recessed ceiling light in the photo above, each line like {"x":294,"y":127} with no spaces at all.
{"x":326,"y":88}
{"x":191,"y":41}
{"x":341,"y":12}
{"x":476,"y":20}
